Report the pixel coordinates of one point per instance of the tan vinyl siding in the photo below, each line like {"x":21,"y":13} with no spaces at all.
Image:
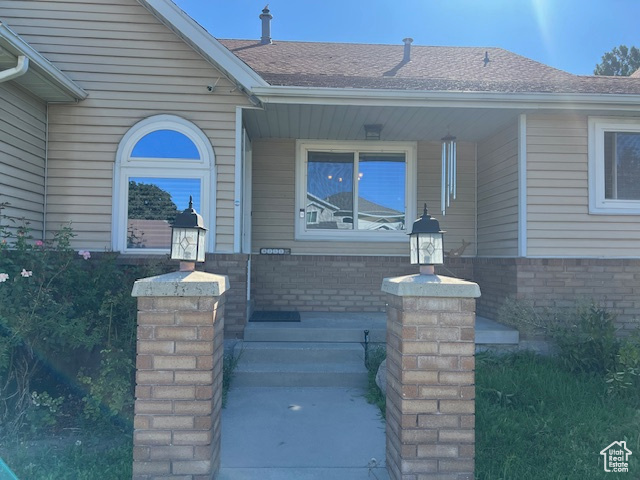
{"x":22,"y":155}
{"x":459,"y":222}
{"x":498,"y":194}
{"x":132,"y":67}
{"x":558,"y":219}
{"x":274,"y":212}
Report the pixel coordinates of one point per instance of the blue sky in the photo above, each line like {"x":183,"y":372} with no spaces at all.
{"x":568,"y":34}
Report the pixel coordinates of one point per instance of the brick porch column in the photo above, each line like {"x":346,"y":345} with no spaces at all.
{"x":179,"y":376}
{"x":430,"y":377}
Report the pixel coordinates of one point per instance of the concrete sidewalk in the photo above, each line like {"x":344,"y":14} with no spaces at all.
{"x":306,"y":433}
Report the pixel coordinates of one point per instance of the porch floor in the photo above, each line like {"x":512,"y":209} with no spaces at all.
{"x":349,"y":327}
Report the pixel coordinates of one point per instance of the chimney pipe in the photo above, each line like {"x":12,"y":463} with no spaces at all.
{"x":407,"y":49}
{"x":266,"y":17}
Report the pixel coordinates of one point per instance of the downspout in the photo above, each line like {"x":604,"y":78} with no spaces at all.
{"x":238,"y":170}
{"x":20,"y":69}
{"x":522,"y":185}
{"x":46,"y":173}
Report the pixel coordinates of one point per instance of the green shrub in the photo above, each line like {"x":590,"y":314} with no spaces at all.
{"x":624,"y":377}
{"x":590,"y":343}
{"x":58,"y":308}
{"x":110,"y":392}
{"x":586,"y":340}
{"x":43,"y":411}
{"x":375,"y":356}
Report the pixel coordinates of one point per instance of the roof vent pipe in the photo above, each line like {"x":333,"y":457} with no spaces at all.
{"x":266,"y":17}
{"x":407,"y":49}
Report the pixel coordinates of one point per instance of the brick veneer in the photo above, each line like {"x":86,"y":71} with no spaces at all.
{"x":179,"y":378}
{"x":233,"y":266}
{"x":431,"y":380}
{"x":498,"y":279}
{"x":562,"y":283}
{"x":334,"y":283}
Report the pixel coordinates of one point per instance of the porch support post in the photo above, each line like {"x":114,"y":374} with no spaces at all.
{"x":179,"y":376}
{"x":430,"y":377}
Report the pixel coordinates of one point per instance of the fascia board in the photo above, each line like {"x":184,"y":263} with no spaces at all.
{"x":204,"y":43}
{"x":14,"y":44}
{"x":530,"y":101}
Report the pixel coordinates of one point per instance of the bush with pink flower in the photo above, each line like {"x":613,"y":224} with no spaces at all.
{"x":66,"y":308}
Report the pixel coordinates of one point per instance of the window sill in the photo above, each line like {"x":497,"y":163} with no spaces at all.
{"x":381,"y":237}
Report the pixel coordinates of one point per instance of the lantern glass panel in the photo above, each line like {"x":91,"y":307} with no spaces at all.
{"x":201,"y":249}
{"x":414,"y":249}
{"x":428,"y":249}
{"x":185,"y":244}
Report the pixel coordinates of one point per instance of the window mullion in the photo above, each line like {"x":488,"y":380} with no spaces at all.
{"x":614,"y":167}
{"x":356,"y":195}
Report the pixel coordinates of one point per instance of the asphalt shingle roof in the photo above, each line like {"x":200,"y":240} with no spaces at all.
{"x":462,"y":69}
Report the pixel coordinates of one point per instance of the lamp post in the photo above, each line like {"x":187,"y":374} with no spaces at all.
{"x":187,"y":238}
{"x":426,"y":240}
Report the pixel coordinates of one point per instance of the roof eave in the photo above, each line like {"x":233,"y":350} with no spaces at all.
{"x":16,"y":45}
{"x":379,"y":97}
{"x":205,"y":44}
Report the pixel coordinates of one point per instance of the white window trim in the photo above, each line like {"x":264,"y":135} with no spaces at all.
{"x":303,"y":146}
{"x":598,"y":204}
{"x":126,"y":167}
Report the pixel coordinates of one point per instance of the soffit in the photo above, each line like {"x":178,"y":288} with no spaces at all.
{"x":346,"y":122}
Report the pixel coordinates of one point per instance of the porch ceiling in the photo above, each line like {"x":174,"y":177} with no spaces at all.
{"x":346,"y":122}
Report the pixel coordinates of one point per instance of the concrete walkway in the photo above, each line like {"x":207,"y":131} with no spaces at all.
{"x":306,"y":433}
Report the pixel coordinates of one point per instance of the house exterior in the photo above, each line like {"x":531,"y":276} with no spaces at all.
{"x":269,"y":137}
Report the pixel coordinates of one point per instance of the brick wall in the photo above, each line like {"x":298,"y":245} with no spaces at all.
{"x":331,"y":282}
{"x":497,"y":278}
{"x":562,"y":283}
{"x":233,"y":266}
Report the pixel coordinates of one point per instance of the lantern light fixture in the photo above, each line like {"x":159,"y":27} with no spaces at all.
{"x":427,"y":247}
{"x":372,"y":131}
{"x":187,"y":238}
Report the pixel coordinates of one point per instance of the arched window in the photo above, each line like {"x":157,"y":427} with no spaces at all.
{"x":160,"y":162}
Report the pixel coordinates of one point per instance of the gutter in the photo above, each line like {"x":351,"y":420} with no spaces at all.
{"x":20,"y":69}
{"x":51,"y":73}
{"x":424,"y":98}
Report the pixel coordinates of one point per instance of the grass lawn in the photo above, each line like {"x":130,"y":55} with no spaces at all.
{"x":71,"y":457}
{"x":535,"y":421}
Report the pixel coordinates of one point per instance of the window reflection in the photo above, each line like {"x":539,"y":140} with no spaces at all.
{"x":165,"y":144}
{"x":622,"y":165}
{"x":374,"y":196}
{"x":153,"y":204}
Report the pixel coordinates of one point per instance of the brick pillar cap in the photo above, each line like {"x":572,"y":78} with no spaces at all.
{"x":182,"y":284}
{"x":430,"y":286}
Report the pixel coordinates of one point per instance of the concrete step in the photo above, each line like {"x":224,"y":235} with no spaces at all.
{"x":299,"y":352}
{"x":332,"y":327}
{"x":300,"y":375}
{"x":353,"y":473}
{"x":284,"y":332}
{"x":489,"y":332}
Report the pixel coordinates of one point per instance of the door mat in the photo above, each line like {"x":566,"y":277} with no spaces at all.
{"x":270,"y":316}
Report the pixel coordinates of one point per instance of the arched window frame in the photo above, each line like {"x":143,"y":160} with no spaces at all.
{"x":126,"y":167}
